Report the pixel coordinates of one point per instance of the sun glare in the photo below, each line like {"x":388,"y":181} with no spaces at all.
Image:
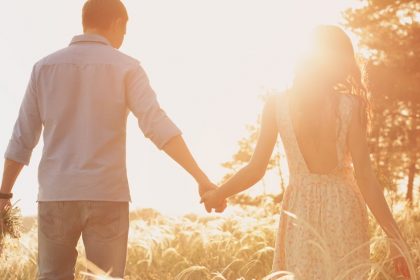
{"x":213,"y":65}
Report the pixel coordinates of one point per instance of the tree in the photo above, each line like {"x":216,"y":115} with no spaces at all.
{"x":390,"y":31}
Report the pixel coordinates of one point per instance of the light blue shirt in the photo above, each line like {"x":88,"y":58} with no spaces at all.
{"x":81,"y":96}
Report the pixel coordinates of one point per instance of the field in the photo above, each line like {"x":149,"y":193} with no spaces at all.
{"x":237,"y":245}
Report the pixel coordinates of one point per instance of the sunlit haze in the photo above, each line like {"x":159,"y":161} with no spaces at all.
{"x":208,"y":61}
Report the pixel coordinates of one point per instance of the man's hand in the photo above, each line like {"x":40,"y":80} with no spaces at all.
{"x":178,"y":151}
{"x":211,"y":199}
{"x":205,"y":188}
{"x":10,"y":173}
{"x":5,"y":204}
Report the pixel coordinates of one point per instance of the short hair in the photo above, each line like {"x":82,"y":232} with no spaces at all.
{"x":100,"y":13}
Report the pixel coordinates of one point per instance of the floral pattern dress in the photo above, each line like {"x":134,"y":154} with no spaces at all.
{"x":323,"y":230}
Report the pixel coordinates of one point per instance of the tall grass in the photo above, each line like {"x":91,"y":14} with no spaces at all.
{"x":238,"y":245}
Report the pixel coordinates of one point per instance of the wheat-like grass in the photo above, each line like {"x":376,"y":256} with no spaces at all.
{"x":238,"y":245}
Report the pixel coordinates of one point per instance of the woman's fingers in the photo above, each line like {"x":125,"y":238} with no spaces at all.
{"x":401,"y":267}
{"x":222,"y":207}
{"x":405,"y":272}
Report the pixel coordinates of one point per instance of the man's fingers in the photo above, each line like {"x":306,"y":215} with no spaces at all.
{"x":203,"y":198}
{"x":208,"y":208}
{"x":203,"y":188}
{"x":5,"y":206}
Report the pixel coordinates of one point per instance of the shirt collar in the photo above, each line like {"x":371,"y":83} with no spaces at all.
{"x":90,"y":38}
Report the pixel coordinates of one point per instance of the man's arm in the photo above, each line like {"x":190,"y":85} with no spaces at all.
{"x":10,"y":173}
{"x":159,"y":128}
{"x":179,"y":152}
{"x":25,"y":137}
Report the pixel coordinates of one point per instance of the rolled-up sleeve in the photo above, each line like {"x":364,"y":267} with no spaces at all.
{"x":142,"y":101}
{"x":28,"y":126}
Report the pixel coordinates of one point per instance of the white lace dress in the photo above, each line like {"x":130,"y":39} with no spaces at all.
{"x":323,"y":231}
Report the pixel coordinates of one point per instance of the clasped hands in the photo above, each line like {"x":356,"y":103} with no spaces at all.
{"x":211,"y":197}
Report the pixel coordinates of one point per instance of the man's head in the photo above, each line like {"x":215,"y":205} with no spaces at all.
{"x":107,"y":18}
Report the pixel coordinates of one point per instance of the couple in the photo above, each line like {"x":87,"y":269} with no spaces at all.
{"x":81,"y":95}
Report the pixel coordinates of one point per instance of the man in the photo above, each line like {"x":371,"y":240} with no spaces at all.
{"x":80,"y":96}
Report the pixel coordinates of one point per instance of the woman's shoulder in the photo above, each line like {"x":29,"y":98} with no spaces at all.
{"x":273,"y":102}
{"x":277,"y":97}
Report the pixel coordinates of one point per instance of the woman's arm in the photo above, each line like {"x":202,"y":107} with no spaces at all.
{"x":178,"y":150}
{"x":256,"y":167}
{"x":372,"y":191}
{"x":366,"y":179}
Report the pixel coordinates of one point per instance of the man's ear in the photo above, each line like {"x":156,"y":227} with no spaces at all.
{"x":120,"y":23}
{"x":113,"y":26}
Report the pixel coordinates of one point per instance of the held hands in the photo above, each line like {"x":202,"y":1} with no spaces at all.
{"x":212,"y":199}
{"x":207,"y":192}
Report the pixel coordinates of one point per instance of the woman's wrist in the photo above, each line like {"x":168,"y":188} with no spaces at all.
{"x":220,"y":193}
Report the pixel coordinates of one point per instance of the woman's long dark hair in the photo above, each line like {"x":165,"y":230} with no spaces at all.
{"x":330,"y":67}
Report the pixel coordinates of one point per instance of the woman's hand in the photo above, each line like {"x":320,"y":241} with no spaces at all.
{"x":205,"y":187}
{"x":212,"y":199}
{"x":400,"y":262}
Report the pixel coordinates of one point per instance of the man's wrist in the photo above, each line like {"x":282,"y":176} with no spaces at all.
{"x":202,"y":179}
{"x":4,"y":195}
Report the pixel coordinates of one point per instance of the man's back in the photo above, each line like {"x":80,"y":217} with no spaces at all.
{"x":82,"y":95}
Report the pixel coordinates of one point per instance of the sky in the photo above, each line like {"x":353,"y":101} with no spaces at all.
{"x":208,"y":61}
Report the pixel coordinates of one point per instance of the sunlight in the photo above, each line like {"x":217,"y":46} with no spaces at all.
{"x":213,"y":65}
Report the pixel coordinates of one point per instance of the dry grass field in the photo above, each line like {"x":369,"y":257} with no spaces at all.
{"x":237,"y":245}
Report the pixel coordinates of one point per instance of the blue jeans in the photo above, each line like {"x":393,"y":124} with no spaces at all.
{"x":103,"y":226}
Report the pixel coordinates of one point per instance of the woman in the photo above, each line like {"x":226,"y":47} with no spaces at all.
{"x":322,"y":121}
